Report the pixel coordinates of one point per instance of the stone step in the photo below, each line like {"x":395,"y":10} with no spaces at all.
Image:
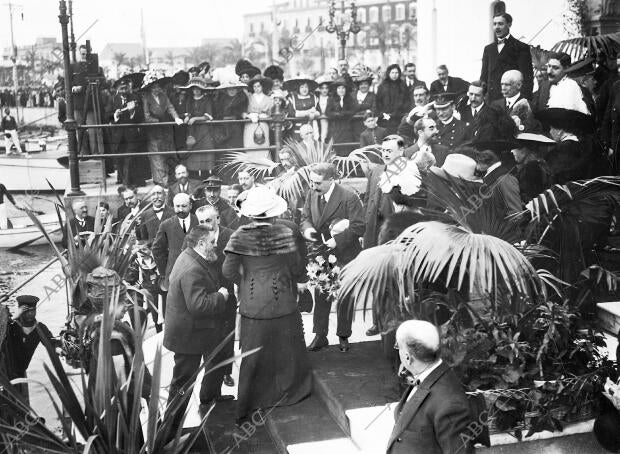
{"x":609,"y":316}
{"x":360,"y":391}
{"x":307,"y":427}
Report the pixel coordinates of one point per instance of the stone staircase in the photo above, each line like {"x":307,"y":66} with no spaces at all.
{"x":351,"y":411}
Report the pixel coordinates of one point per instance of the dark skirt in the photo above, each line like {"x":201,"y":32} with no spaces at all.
{"x":279,"y":373}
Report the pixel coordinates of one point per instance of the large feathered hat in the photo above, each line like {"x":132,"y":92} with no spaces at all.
{"x":274,"y":72}
{"x":245,"y":67}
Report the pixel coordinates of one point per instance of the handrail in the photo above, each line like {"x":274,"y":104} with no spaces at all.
{"x":172,"y":123}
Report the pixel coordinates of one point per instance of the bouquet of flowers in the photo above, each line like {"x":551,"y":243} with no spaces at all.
{"x":324,"y":275}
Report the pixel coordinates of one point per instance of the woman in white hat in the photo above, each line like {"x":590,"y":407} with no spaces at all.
{"x":267,"y":258}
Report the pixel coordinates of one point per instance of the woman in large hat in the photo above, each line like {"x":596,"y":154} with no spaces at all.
{"x":365,"y":99}
{"x":272,"y":254}
{"x":533,"y":173}
{"x":158,"y":108}
{"x":246,"y":71}
{"x":255,"y":133}
{"x":276,"y":74}
{"x":199,"y":110}
{"x":302,"y":101}
{"x":230,"y":104}
{"x":340,"y":109}
{"x":576,"y":155}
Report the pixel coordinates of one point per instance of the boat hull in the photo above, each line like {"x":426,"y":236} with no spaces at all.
{"x":22,"y":173}
{"x":24,"y":230}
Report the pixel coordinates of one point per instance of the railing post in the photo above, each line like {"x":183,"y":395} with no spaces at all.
{"x":278,"y":118}
{"x":69,"y":124}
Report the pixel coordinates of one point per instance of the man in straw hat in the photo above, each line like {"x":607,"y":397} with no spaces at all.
{"x":327,"y":202}
{"x":272,"y":256}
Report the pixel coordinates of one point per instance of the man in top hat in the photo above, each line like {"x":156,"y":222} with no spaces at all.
{"x":183,"y":183}
{"x":504,"y":54}
{"x":126,"y":108}
{"x":327,"y":202}
{"x":23,"y":339}
{"x":427,"y":145}
{"x":433,"y":415}
{"x":210,"y":194}
{"x":452,"y":132}
{"x":447,"y":84}
{"x":514,"y":103}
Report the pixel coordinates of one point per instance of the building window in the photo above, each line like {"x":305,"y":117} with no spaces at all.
{"x":400,"y":11}
{"x":412,"y":10}
{"x":386,"y":13}
{"x":262,"y":27}
{"x":373,"y":14}
{"x":361,"y":15}
{"x":251,"y":28}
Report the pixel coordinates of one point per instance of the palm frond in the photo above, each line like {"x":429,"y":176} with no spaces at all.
{"x":589,"y":46}
{"x":259,"y":167}
{"x":600,"y":275}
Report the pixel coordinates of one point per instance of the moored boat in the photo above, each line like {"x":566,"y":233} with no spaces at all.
{"x":24,"y":230}
{"x":32,"y":172}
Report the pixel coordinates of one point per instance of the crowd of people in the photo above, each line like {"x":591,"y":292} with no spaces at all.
{"x":247,"y":250}
{"x":28,"y":96}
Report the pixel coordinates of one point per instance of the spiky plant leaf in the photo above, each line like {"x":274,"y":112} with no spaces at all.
{"x":579,"y":48}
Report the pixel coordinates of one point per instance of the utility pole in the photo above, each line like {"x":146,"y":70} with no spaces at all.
{"x":13,"y":7}
{"x":145,"y":52}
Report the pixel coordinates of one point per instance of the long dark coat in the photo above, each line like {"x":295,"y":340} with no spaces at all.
{"x":392,"y":98}
{"x":340,"y":127}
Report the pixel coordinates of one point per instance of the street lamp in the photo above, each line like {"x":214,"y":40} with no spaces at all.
{"x":342,"y":24}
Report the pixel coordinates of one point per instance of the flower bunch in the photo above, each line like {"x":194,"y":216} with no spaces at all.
{"x":324,"y":275}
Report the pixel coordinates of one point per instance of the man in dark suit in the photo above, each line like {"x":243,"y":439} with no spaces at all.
{"x":195,"y":314}
{"x":210,"y":193}
{"x":433,"y":416}
{"x":426,"y":145}
{"x":183,"y":184}
{"x":209,"y":216}
{"x":451,"y":131}
{"x":475,"y":105}
{"x":169,"y":239}
{"x":326,"y":203}
{"x":125,"y":108}
{"x":448,"y":84}
{"x":514,"y":103}
{"x":153,"y":216}
{"x":411,"y":80}
{"x":421,"y":107}
{"x":504,"y":54}
{"x":132,"y":205}
{"x":80,"y":222}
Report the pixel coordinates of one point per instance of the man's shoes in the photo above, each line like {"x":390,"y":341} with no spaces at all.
{"x":372,"y":331}
{"x":318,"y":343}
{"x":344,"y":344}
{"x":229,"y":381}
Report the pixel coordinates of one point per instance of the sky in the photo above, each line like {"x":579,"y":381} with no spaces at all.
{"x":119,"y":20}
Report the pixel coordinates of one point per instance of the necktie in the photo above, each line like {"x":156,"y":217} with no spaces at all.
{"x":501,"y":41}
{"x":184,"y":227}
{"x":82,"y":222}
{"x":321,"y":204}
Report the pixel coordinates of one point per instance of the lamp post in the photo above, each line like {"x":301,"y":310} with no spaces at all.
{"x":69,"y":124}
{"x":342,"y":24}
{"x":72,"y":36}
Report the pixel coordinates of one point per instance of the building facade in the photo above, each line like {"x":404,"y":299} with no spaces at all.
{"x":301,"y":44}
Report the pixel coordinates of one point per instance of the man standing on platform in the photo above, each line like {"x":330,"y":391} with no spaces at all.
{"x":9,"y":129}
{"x":433,"y":415}
{"x":197,"y":307}
{"x":504,"y":54}
{"x":327,"y":203}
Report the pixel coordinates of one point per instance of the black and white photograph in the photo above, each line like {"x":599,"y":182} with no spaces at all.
{"x":310,"y":226}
